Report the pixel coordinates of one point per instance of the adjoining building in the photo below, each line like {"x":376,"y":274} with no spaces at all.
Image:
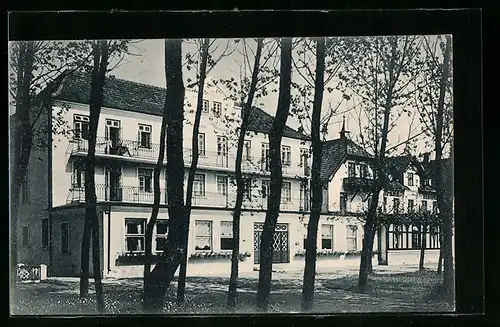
{"x":52,"y":198}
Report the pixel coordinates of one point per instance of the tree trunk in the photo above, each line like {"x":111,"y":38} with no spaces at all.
{"x":85,"y":255}
{"x":276,"y":179}
{"x":91,"y":219}
{"x":379,"y":176}
{"x":422,"y":248}
{"x":445,"y":203}
{"x":240,"y":183}
{"x":440,"y":260}
{"x":181,"y":284}
{"x":160,"y":277}
{"x":317,"y":186}
{"x":370,"y":255}
{"x":22,"y":139}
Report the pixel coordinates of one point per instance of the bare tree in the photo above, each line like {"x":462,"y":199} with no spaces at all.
{"x":160,"y":277}
{"x":436,"y":112}
{"x":382,"y":76}
{"x":274,"y":199}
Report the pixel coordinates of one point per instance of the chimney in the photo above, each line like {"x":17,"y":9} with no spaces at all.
{"x":343,"y":132}
{"x":426,"y":158}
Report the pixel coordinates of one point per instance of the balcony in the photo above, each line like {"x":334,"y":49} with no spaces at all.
{"x":133,"y":194}
{"x":134,"y":151}
{"x":353,"y":184}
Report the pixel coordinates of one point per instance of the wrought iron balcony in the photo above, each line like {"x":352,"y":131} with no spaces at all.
{"x":134,"y":194}
{"x":357,"y":184}
{"x":206,"y":159}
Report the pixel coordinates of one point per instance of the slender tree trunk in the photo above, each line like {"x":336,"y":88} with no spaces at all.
{"x":160,"y":277}
{"x":96,"y":96}
{"x":370,"y":255}
{"x":440,"y":259}
{"x":445,"y":204}
{"x":85,"y":255}
{"x":422,"y":248}
{"x":240,"y":183}
{"x":181,"y":285}
{"x":22,"y":143}
{"x":274,"y":198}
{"x":317,"y":186}
{"x":379,"y":176}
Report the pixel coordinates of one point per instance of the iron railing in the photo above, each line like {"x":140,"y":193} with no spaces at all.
{"x":135,"y":194}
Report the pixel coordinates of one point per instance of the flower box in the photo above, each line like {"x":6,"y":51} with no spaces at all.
{"x":333,"y":254}
{"x":217,"y":255}
{"x":135,"y":258}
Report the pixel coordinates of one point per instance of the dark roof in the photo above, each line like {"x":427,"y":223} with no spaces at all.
{"x":334,"y":154}
{"x":147,"y":99}
{"x":397,"y":165}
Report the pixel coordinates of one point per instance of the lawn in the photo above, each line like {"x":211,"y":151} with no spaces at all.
{"x":335,"y":293}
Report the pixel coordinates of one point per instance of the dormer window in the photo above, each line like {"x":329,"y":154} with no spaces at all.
{"x":205,"y":106}
{"x":217,"y":108}
{"x":410,"y":179}
{"x":351,"y":169}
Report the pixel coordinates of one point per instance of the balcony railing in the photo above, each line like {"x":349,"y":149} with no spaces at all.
{"x":135,"y":194}
{"x":357,"y":183}
{"x":134,"y":149}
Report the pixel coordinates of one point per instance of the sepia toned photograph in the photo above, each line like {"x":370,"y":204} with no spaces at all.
{"x":232,"y":176}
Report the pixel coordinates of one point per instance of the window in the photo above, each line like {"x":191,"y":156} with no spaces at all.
{"x":145,"y":136}
{"x":145,"y":180}
{"x":265,"y":156}
{"x":203,"y":235}
{"x":265,"y":188}
{"x":351,"y":169}
{"x":78,"y":174}
{"x":26,"y":236}
{"x":199,"y":184}
{"x":384,"y":204}
{"x":247,"y":150}
{"x":25,"y":188}
{"x":286,"y":192}
{"x":434,"y":237}
{"x":45,"y":233}
{"x":343,"y":201}
{"x":305,"y":236}
{"x":201,"y":144}
{"x":226,"y":235}
{"x":363,"y":171}
{"x":65,"y":238}
{"x":286,"y":155}
{"x":410,"y":206}
{"x":205,"y":106}
{"x":396,"y":241}
{"x":304,"y":154}
{"x":161,"y":234}
{"x":134,"y":235}
{"x":434,"y":207}
{"x":217,"y":108}
{"x":304,"y":196}
{"x":395,"y":205}
{"x":81,"y":127}
{"x":425,"y":182}
{"x":424,"y":205}
{"x":113,"y":130}
{"x":415,"y":237}
{"x":410,"y":179}
{"x":221,"y":146}
{"x":327,"y":237}
{"x":248,"y":188}
{"x":222,"y":185}
{"x":352,"y":237}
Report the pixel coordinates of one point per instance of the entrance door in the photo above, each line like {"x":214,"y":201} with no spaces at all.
{"x":113,"y":183}
{"x":280,"y":243}
{"x":113,"y":135}
{"x":222,"y":160}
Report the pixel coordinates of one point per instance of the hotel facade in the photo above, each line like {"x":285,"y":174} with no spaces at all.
{"x":51,"y":212}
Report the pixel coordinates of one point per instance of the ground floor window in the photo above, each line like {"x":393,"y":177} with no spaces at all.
{"x":203,"y":235}
{"x":25,"y":236}
{"x":45,"y":233}
{"x":410,"y":237}
{"x":135,"y":234}
{"x":305,"y":235}
{"x":281,"y":253}
{"x":226,"y":235}
{"x":327,"y":237}
{"x":352,"y":237}
{"x":65,"y":247}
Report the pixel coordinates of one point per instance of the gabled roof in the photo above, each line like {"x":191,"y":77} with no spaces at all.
{"x":147,"y":99}
{"x":335,"y":152}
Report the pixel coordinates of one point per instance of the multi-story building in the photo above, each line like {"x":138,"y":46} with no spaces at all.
{"x":50,"y":226}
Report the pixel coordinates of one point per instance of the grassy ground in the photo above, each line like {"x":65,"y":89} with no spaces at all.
{"x":334,"y":293}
